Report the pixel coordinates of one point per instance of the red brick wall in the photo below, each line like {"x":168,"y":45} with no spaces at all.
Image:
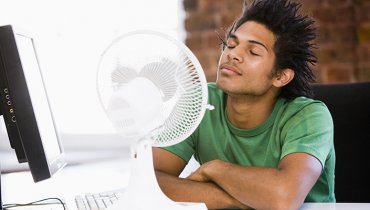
{"x":344,"y":35}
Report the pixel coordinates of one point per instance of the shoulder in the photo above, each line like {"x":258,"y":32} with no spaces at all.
{"x":302,"y":110}
{"x":303,"y":104}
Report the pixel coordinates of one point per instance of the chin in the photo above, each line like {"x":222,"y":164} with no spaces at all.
{"x":221,"y":84}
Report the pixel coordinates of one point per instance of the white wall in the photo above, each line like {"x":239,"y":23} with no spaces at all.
{"x":70,"y":35}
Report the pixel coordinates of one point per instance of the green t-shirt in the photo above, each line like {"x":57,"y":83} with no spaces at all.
{"x":300,"y":125}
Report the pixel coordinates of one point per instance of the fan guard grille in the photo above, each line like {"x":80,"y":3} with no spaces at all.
{"x":171,"y":67}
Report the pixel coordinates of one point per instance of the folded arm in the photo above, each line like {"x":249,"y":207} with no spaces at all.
{"x":168,"y":168}
{"x":265,"y":188}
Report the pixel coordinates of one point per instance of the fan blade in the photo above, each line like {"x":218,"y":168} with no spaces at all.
{"x":123,"y":74}
{"x":162,"y":74}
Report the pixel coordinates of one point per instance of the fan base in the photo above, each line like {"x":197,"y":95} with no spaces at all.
{"x":143,"y":191}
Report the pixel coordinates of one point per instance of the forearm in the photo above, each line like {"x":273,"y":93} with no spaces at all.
{"x":266,"y":188}
{"x":253,"y":186}
{"x":184,"y":190}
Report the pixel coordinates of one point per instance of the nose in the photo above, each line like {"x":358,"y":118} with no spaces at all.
{"x":235,"y":54}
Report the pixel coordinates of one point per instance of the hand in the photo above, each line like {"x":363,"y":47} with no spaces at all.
{"x":204,"y":174}
{"x":200,"y":175}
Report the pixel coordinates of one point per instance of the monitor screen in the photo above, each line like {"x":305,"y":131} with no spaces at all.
{"x":25,"y":107}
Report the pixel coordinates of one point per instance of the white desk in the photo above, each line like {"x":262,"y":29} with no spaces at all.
{"x":106,"y":175}
{"x":71,"y":181}
{"x":336,"y":206}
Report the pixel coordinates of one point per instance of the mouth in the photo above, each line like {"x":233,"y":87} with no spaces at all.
{"x":229,"y":69}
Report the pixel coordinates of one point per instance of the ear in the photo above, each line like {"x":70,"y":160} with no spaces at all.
{"x":283,"y":78}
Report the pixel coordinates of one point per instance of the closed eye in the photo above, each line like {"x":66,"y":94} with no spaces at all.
{"x":253,"y":53}
{"x":230,"y":46}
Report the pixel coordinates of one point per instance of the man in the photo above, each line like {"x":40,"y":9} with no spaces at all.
{"x":266,"y":145}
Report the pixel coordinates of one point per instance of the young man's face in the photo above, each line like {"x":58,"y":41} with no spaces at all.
{"x":247,"y":62}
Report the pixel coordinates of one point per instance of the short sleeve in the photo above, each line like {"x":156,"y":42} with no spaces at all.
{"x":184,"y":149}
{"x":310,"y":131}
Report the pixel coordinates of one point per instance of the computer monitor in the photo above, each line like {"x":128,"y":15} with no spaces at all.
{"x":25,"y":107}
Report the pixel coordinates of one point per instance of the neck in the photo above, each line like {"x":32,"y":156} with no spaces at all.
{"x":247,"y":112}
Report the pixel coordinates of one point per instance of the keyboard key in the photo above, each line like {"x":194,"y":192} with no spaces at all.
{"x":97,"y":201}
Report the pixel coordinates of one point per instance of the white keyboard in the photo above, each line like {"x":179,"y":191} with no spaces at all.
{"x":102,"y":200}
{"x":97,"y":201}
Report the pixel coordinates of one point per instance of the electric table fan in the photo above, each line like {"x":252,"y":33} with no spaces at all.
{"x":153,"y":89}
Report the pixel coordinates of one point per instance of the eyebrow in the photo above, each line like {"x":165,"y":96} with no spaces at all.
{"x":233,"y":36}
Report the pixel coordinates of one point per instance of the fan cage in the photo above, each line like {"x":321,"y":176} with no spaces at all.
{"x":188,"y":108}
{"x":177,"y":73}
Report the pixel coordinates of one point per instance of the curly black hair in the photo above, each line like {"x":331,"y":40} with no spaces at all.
{"x":294,"y":35}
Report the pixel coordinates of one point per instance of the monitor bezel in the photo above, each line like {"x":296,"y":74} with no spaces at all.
{"x":41,"y":166}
